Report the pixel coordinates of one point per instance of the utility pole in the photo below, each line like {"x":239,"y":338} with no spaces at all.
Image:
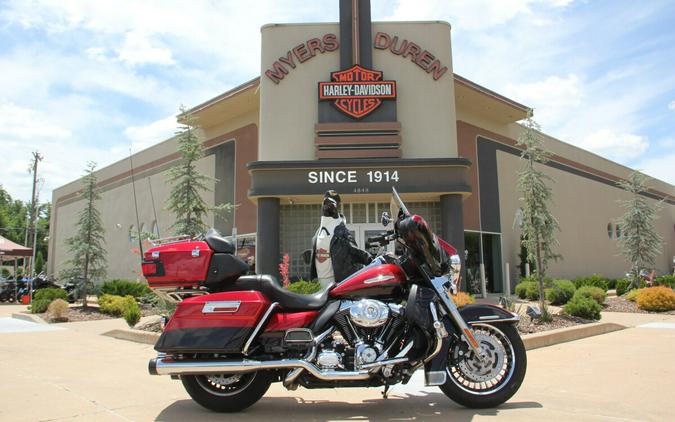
{"x":32,"y":214}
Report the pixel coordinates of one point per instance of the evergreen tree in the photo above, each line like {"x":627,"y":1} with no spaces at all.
{"x":39,"y":263}
{"x":639,"y":241}
{"x":185,"y":200}
{"x":88,"y":262}
{"x":539,"y":225}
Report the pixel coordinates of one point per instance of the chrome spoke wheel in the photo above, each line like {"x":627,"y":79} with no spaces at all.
{"x":225,"y":384}
{"x":487,"y":375}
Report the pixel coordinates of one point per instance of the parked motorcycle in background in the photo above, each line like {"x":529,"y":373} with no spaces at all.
{"x":232,"y":335}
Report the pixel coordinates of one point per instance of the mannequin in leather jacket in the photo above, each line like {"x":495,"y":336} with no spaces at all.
{"x":335,"y":255}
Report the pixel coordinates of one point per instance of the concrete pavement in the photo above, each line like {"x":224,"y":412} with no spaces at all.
{"x":76,"y":374}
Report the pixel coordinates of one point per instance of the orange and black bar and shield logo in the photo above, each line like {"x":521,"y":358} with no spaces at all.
{"x":357,"y":91}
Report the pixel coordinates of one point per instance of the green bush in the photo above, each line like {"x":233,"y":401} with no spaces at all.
{"x":611,"y":283}
{"x":132,"y":313}
{"x":5,"y":273}
{"x":621,"y":286}
{"x":304,"y":287}
{"x":43,"y":297}
{"x":595,"y":280}
{"x":561,"y":292}
{"x":527,"y":290}
{"x":583,"y":307}
{"x":591,"y":292}
{"x":50,"y":294}
{"x":633,"y":294}
{"x":125,"y":288}
{"x":665,"y":280}
{"x":115,"y":305}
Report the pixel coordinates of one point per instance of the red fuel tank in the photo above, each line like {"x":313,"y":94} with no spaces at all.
{"x":383,"y":280}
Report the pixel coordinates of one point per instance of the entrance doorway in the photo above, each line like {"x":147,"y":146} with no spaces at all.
{"x":362,"y":232}
{"x":483,"y":248}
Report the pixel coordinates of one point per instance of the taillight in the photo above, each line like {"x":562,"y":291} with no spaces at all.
{"x":152,"y":268}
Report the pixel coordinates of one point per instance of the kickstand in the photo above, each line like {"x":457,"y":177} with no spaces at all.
{"x":385,"y":393}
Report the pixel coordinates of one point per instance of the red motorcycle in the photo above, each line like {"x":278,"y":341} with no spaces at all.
{"x":232,"y":335}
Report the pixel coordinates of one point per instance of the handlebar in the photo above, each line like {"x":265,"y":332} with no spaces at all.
{"x":381,"y":240}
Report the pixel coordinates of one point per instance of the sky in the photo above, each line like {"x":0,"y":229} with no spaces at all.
{"x":89,"y":80}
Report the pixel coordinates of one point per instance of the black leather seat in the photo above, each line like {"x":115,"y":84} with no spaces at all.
{"x":270,"y":287}
{"x":217,"y":242}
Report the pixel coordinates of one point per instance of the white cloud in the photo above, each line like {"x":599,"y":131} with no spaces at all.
{"x":671,"y":106}
{"x":137,"y":49}
{"x":660,"y":167}
{"x":25,"y":123}
{"x":615,"y":145}
{"x":150,"y":134}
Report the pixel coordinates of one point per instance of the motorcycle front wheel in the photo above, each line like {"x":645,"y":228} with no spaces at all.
{"x":490,"y":382}
{"x":227,"y":392}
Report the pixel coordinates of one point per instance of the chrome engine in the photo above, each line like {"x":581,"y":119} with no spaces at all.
{"x":369,"y":313}
{"x":366,"y":329}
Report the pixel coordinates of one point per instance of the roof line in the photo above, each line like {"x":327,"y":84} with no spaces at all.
{"x":227,"y":94}
{"x":490,"y":92}
{"x":256,"y":81}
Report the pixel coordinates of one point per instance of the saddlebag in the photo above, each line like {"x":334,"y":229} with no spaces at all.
{"x":215,"y":323}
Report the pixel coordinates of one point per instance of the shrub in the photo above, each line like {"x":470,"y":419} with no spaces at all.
{"x":304,"y":287}
{"x":665,"y":280}
{"x":611,"y":283}
{"x":633,"y":294}
{"x":656,"y":299}
{"x":622,"y":286}
{"x":462,"y":298}
{"x":43,"y":297}
{"x":115,"y":305}
{"x":595,"y":280}
{"x":595,"y":293}
{"x":132,"y":313}
{"x":5,"y":273}
{"x":527,"y":290}
{"x":58,"y":310}
{"x":124,"y":288}
{"x":583,"y":307}
{"x":50,"y":294}
{"x":561,"y":292}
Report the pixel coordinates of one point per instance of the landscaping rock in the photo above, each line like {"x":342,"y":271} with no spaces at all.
{"x":150,"y":323}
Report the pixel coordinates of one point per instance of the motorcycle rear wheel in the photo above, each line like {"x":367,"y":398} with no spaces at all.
{"x":486,"y":384}
{"x":227,"y":392}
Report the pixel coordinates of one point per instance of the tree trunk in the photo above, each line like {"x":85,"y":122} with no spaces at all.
{"x":540,"y":280}
{"x":84,"y":283}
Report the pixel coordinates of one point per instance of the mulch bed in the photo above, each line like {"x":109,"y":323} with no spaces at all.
{"x":77,"y":314}
{"x":529,"y":326}
{"x":620,"y":304}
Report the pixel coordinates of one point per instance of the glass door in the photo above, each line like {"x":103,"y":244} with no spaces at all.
{"x":362,"y":232}
{"x":483,"y":248}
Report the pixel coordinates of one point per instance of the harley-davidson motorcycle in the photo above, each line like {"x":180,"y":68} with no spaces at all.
{"x":232,"y":335}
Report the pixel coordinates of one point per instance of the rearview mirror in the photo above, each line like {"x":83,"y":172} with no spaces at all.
{"x":386,"y":219}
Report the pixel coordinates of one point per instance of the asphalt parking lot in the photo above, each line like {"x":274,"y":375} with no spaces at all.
{"x":74,"y":373}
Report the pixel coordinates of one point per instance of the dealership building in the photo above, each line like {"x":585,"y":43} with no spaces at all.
{"x":358,"y":107}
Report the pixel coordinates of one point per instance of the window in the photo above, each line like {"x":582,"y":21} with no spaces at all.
{"x":610,"y":230}
{"x":618,"y":231}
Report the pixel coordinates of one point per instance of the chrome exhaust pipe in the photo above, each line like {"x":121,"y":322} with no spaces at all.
{"x":164,"y":365}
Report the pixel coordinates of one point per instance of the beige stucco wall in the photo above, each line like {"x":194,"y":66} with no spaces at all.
{"x":289,"y":111}
{"x":583,"y":208}
{"x":117,"y":206}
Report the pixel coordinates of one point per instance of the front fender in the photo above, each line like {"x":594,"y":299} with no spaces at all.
{"x":435,"y":370}
{"x":487,"y":313}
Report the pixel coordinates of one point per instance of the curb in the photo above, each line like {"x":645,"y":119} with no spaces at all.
{"x":28,"y":317}
{"x":563,"y":335}
{"x":531,"y":341}
{"x":138,"y":336}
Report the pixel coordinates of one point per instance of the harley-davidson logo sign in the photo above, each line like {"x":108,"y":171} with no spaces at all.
{"x":357,"y":91}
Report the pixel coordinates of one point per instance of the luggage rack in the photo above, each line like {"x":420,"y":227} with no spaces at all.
{"x":168,"y":240}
